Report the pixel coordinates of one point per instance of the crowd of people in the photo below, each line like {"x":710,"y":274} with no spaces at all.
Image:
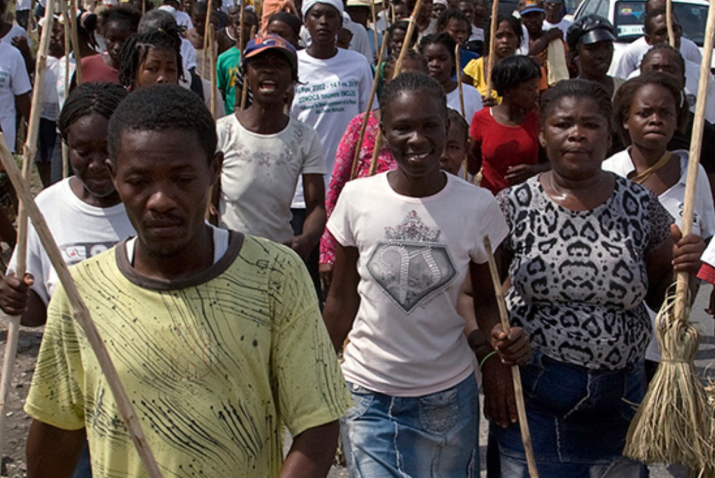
{"x":272,"y":246}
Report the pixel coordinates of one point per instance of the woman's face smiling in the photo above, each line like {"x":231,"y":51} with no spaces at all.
{"x":576,"y":138}
{"x":415,"y":127}
{"x":652,"y":118}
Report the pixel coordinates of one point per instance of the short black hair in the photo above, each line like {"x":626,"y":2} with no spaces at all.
{"x":410,"y":55}
{"x":88,"y":99}
{"x":121,"y":13}
{"x":652,"y":15}
{"x":456,"y":119}
{"x":451,"y":14}
{"x":158,"y":20}
{"x":627,"y":91}
{"x":664,"y":47}
{"x":410,"y":81}
{"x":513,"y":71}
{"x":162,"y":108}
{"x":404,"y":26}
{"x":288,"y":18}
{"x":136,"y":49}
{"x":444,"y":39}
{"x":578,"y":89}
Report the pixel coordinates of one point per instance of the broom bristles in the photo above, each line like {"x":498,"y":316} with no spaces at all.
{"x":674,"y":422}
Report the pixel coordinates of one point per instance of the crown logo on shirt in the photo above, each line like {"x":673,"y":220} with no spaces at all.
{"x":412,"y":229}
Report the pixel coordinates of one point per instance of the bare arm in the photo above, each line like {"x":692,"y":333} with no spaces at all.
{"x":312,"y":453}
{"x":53,"y":452}
{"x":24,"y":103}
{"x":343,"y":300}
{"x":314,"y":192}
{"x":17,"y":298}
{"x":540,"y":45}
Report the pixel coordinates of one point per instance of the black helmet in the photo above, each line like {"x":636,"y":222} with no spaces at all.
{"x":590,"y":29}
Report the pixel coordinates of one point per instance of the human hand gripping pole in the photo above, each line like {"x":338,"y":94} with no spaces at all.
{"x":516,"y":375}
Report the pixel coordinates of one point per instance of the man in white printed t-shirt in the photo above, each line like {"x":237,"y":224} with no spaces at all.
{"x":14,"y":87}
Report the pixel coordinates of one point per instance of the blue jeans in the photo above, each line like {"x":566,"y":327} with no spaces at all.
{"x":578,"y":420}
{"x":434,"y":435}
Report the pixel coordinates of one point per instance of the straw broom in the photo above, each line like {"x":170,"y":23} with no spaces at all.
{"x":515,"y":373}
{"x":674,"y":422}
{"x":490,"y":58}
{"x":457,"y":60}
{"x":28,"y":156}
{"x":398,"y":68}
{"x":368,"y":110}
{"x":81,"y":313}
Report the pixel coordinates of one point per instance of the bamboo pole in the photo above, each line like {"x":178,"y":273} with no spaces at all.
{"x":398,"y":68}
{"x":669,"y":22}
{"x":515,"y":373}
{"x":75,"y":42}
{"x":465,"y":165}
{"x":68,"y":47}
{"x":489,"y":66}
{"x":363,"y":128}
{"x":81,"y":314}
{"x":28,"y":158}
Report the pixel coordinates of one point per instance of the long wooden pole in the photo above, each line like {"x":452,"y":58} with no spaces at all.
{"x":682,"y":278}
{"x":374,"y":31}
{"x":669,"y":22}
{"x":28,"y":158}
{"x":244,"y":90}
{"x":366,"y":117}
{"x":398,"y":67}
{"x":68,"y":47}
{"x":206,"y":39}
{"x":212,"y":52}
{"x":75,"y":42}
{"x":489,"y":66}
{"x":515,"y":373}
{"x":81,"y":314}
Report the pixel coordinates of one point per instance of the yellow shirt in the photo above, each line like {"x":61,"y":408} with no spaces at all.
{"x":475,"y":69}
{"x":215,"y":365}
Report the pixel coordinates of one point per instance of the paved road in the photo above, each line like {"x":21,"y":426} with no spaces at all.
{"x":705,"y":363}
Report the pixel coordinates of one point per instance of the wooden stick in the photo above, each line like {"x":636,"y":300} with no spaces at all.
{"x":489,"y":66}
{"x":28,"y":159}
{"x":461,"y":103}
{"x":363,"y":128}
{"x":241,"y":23}
{"x":374,"y":30}
{"x":244,"y":90}
{"x":398,"y":68}
{"x":81,"y":313}
{"x":212,"y":52}
{"x":30,"y":17}
{"x":669,"y":22}
{"x":682,"y":278}
{"x":68,"y":46}
{"x":75,"y":43}
{"x":206,"y":39}
{"x":515,"y":373}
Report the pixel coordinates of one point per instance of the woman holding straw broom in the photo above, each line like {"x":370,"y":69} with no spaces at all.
{"x":586,"y":251}
{"x":401,"y":259}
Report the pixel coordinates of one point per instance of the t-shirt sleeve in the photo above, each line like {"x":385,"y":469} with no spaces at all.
{"x":490,"y":223}
{"x":660,"y":221}
{"x":705,"y":207}
{"x":56,"y":396}
{"x":310,"y":387}
{"x":20,"y":79}
{"x":314,"y":161}
{"x":339,"y":223}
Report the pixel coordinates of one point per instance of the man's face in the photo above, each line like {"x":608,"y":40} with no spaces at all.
{"x":533,"y":21}
{"x":467,"y":7}
{"x":163,"y":179}
{"x":659,"y":33}
{"x":458,"y":29}
{"x":595,"y":59}
{"x":665,"y":62}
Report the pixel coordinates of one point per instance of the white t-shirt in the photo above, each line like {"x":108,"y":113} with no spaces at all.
{"x":692,"y":79}
{"x":631,"y":56}
{"x":477,"y":34}
{"x":23,"y":5}
{"x":563,"y":25}
{"x":332,"y":92}
{"x":188,"y":56}
{"x":183,"y":19}
{"x":673,"y":201}
{"x":60,"y":85}
{"x":14,"y":81}
{"x":259,"y":175}
{"x":358,"y":43}
{"x":472,"y":101}
{"x":80,"y":230}
{"x":15,"y":31}
{"x":414,"y":253}
{"x":50,"y":100}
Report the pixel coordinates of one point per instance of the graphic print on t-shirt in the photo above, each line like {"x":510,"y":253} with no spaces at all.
{"x":410,"y":264}
{"x":74,"y":253}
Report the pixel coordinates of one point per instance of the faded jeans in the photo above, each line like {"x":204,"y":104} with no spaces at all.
{"x":578,"y":420}
{"x":433,"y":436}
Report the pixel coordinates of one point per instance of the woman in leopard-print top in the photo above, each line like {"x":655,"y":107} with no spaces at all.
{"x":587,"y":248}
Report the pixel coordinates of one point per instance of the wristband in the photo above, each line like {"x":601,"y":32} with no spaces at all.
{"x":484,"y":360}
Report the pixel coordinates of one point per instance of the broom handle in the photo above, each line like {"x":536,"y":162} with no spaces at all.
{"x":81,"y":313}
{"x":694,"y":158}
{"x":461,"y":101}
{"x":75,"y":43}
{"x":490,"y":57}
{"x":28,"y":156}
{"x":669,"y":22}
{"x":516,"y":375}
{"x":363,"y":128}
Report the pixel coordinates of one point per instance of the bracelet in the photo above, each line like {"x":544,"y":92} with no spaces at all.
{"x":484,"y":360}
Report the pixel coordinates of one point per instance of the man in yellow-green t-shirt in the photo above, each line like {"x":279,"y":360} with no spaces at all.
{"x":216,"y":335}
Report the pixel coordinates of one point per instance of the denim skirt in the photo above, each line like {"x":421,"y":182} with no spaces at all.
{"x":431,"y":436}
{"x":578,"y":419}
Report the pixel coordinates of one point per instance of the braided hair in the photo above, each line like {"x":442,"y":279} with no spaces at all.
{"x":413,"y":82}
{"x":136,"y":49}
{"x":88,"y":99}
